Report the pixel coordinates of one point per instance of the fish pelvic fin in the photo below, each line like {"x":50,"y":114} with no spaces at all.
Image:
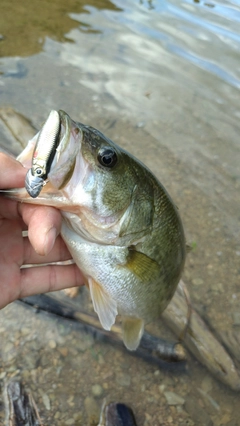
{"x":132,"y":330}
{"x":104,"y":305}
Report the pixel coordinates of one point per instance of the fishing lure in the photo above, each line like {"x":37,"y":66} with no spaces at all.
{"x":43,"y":155}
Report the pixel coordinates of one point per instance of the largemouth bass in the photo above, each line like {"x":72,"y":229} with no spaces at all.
{"x":119,"y":223}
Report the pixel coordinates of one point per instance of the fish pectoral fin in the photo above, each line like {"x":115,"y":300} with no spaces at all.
{"x":143,"y":266}
{"x":104,"y":305}
{"x":132,"y":329}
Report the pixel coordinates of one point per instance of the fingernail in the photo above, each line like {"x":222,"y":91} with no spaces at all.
{"x":50,"y":240}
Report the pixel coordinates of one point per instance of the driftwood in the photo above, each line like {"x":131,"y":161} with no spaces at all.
{"x":21,"y":409}
{"x":201,"y":341}
{"x":167,"y":355}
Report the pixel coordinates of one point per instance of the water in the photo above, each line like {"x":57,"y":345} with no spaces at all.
{"x":162,"y":79}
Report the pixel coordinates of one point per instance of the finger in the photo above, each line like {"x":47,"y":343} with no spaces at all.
{"x":44,"y":224}
{"x":9,"y":210}
{"x":59,"y":253}
{"x":12,"y":173}
{"x":44,"y":279}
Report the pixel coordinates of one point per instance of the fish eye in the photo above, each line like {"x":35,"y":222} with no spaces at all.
{"x":39,"y":171}
{"x":107,"y":157}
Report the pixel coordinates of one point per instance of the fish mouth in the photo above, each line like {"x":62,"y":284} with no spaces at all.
{"x":66,"y":123}
{"x":50,"y":191}
{"x":68,"y":128}
{"x":54,"y":153}
{"x":69,"y":145}
{"x":54,"y":149}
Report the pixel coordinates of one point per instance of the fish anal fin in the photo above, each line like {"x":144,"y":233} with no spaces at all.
{"x":132,"y":330}
{"x":104,"y":305}
{"x":141,"y":265}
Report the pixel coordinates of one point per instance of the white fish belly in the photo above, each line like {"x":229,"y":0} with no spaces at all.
{"x":105,"y":265}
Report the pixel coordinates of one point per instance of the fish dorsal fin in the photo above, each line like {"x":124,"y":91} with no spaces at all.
{"x":103,"y":304}
{"x":132,"y":329}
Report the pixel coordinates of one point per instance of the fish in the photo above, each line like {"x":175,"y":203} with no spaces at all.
{"x":119,"y":223}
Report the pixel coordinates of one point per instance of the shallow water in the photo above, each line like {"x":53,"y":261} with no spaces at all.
{"x":162,"y":79}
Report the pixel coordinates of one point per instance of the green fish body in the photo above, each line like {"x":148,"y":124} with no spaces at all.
{"x":119,"y":223}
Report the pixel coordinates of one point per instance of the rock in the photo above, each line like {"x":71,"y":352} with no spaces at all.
{"x":25,"y":331}
{"x":70,"y":422}
{"x":217,"y":288}
{"x":197,"y":413}
{"x":63,"y":351}
{"x":197,"y":281}
{"x":85,"y":343}
{"x":123,"y":380}
{"x":46,"y":401}
{"x":209,"y":400}
{"x":236,"y":318}
{"x":173,"y":398}
{"x":206,"y":384}
{"x":97,"y":390}
{"x":161,"y":388}
{"x":52,"y":344}
{"x":92,"y":410}
{"x":9,"y":347}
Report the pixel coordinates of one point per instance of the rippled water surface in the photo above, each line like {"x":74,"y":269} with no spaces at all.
{"x":162,"y":79}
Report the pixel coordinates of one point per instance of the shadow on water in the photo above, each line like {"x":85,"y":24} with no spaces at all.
{"x":25,"y":25}
{"x":162,"y":79}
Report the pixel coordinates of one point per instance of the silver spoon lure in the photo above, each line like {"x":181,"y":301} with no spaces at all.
{"x":43,"y":154}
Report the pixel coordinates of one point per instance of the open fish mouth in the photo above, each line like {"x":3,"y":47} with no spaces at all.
{"x":51,"y":151}
{"x":50,"y":158}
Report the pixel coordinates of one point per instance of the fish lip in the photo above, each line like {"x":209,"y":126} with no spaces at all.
{"x":68,"y":126}
{"x":65,"y":125}
{"x":66,"y":152}
{"x":63,"y":116}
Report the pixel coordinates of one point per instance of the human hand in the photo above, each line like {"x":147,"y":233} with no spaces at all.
{"x":43,"y":245}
